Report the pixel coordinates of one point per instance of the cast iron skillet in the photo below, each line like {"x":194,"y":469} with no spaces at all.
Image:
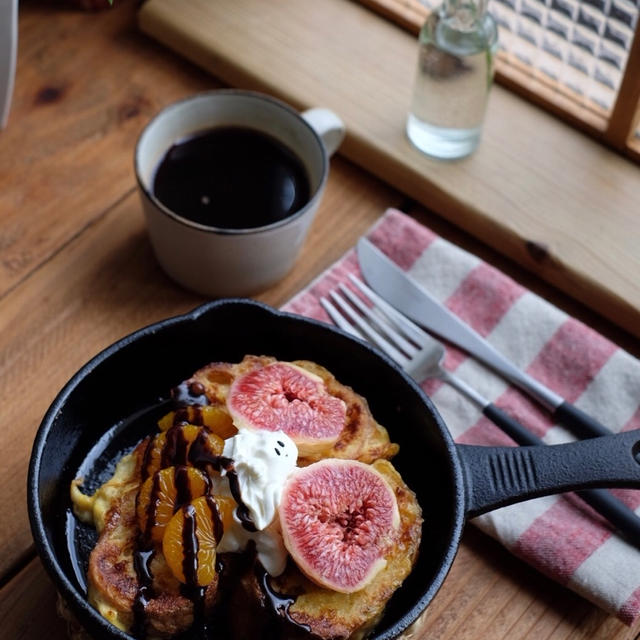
{"x":112,"y":402}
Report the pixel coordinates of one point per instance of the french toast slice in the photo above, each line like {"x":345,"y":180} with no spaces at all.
{"x":112,"y":579}
{"x":326,"y":614}
{"x":362,"y":438}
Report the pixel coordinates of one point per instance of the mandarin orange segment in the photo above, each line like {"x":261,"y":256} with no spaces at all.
{"x":163,"y":494}
{"x":166,"y":422}
{"x":216,"y":418}
{"x":219,"y":421}
{"x":189,"y":543}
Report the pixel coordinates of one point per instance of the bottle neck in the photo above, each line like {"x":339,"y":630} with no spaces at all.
{"x":463,"y":15}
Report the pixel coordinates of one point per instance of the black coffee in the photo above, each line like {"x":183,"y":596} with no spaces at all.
{"x":231,"y":177}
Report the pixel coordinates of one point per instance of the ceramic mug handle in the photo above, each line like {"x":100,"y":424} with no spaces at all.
{"x":327,"y":125}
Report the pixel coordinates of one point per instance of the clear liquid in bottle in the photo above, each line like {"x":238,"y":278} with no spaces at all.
{"x":453,"y":78}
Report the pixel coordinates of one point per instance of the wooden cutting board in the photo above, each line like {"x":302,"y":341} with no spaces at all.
{"x":543,"y":194}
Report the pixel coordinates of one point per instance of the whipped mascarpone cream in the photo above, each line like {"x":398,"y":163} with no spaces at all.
{"x":262,"y":461}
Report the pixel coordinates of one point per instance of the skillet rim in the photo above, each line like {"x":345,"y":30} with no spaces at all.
{"x":90,"y":619}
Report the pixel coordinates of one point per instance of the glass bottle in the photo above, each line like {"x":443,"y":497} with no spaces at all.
{"x":454,"y":74}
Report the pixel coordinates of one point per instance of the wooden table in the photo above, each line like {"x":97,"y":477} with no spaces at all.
{"x":77,"y":273}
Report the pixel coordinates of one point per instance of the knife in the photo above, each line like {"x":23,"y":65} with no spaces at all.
{"x":405,"y":294}
{"x":8,"y":53}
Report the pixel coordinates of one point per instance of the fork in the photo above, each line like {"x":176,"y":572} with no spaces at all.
{"x":417,"y":352}
{"x":421,"y":356}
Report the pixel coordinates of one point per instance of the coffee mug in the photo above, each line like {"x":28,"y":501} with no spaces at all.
{"x":228,"y":261}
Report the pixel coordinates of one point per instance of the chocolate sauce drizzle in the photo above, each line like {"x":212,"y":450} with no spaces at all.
{"x":179,"y":453}
{"x":175,"y":453}
{"x":189,"y":415}
{"x":175,"y":448}
{"x":189,"y":393}
{"x":279,"y":603}
{"x":242,"y":511}
{"x":144,"y":593}
{"x":190,"y":547}
{"x":144,"y":467}
{"x":199,"y":456}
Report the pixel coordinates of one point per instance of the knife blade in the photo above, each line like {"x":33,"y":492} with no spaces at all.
{"x":8,"y":54}
{"x":408,"y":296}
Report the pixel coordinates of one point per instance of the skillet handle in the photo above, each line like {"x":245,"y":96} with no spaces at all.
{"x":498,"y":476}
{"x":604,"y":502}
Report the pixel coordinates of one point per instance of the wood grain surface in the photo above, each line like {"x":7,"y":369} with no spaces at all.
{"x":545,"y":195}
{"x":77,"y":273}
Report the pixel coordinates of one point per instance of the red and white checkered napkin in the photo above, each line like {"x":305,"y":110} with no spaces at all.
{"x":559,"y":535}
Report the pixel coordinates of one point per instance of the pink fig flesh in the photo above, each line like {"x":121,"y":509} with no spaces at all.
{"x":338,"y":519}
{"x":282,"y":396}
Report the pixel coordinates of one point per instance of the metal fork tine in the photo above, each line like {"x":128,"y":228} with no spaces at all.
{"x":411,"y":330}
{"x":381,"y":321}
{"x":339,"y":320}
{"x":372,"y":336}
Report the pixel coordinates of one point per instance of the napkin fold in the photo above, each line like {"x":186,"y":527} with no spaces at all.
{"x":559,"y":535}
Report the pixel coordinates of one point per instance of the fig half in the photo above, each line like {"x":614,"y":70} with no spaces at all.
{"x":283,"y":396}
{"x":338,"y":519}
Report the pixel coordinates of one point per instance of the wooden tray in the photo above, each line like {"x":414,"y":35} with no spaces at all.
{"x":543,"y":194}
